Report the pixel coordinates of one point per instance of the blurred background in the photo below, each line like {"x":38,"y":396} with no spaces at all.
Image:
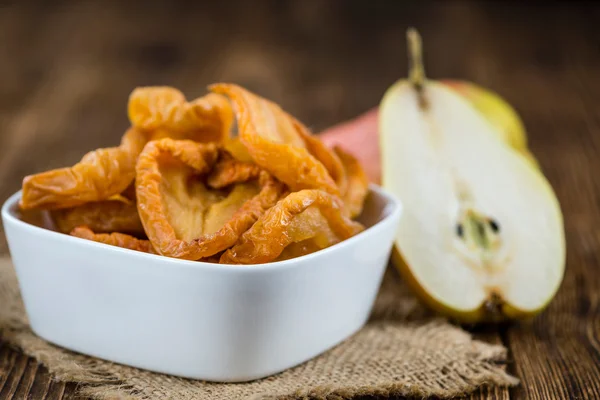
{"x":67,"y":68}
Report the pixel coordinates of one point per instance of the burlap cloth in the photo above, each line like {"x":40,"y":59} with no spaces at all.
{"x":401,"y":351}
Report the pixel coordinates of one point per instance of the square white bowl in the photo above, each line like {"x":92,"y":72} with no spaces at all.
{"x":226,"y":323}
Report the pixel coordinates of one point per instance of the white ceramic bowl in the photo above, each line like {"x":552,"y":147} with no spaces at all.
{"x":193,"y":319}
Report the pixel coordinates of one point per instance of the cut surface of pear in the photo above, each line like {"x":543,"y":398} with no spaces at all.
{"x":482,"y":229}
{"x":497,"y":110}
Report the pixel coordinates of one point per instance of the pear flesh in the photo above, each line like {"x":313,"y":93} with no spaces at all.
{"x":498,"y":112}
{"x":480,"y":224}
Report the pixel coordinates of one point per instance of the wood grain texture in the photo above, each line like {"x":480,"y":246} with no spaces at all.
{"x":68,"y":67}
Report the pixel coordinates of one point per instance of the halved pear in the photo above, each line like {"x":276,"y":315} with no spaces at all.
{"x":481,"y":236}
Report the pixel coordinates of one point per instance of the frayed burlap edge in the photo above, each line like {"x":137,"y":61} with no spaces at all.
{"x":402,"y":351}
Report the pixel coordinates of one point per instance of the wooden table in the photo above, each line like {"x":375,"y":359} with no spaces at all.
{"x":67,"y":70}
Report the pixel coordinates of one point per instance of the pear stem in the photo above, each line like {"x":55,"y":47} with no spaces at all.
{"x":416,"y":70}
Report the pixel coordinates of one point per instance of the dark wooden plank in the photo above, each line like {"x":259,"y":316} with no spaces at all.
{"x":14,"y":376}
{"x":56,"y":391}
{"x":27,"y":379}
{"x":493,"y":393}
{"x":7,"y":359}
{"x":71,"y":392}
{"x":41,"y":384}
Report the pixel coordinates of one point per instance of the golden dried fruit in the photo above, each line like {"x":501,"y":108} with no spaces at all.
{"x":357,"y":183}
{"x":328,"y":158}
{"x":299,"y":249}
{"x":129,"y":194}
{"x":310,"y":232}
{"x":276,"y":141}
{"x":281,"y":226}
{"x":238,"y":151}
{"x":101,"y":217}
{"x":120,"y":198}
{"x":114,"y":239}
{"x":182,"y":217}
{"x":155,"y":112}
{"x":165,"y":112}
{"x":228,"y":171}
{"x":99,"y":175}
{"x":274,"y":192}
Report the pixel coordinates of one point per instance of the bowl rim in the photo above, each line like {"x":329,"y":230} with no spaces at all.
{"x":390,"y":201}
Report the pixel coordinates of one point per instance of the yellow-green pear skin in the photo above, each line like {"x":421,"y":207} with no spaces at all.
{"x":481,"y":238}
{"x":487,"y":313}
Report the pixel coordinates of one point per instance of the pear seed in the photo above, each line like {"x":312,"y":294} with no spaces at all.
{"x":459,"y":230}
{"x":494,"y":225}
